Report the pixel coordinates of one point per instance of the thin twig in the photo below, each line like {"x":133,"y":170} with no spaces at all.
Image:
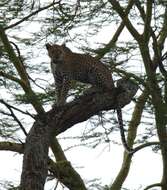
{"x":30,"y":15}
{"x":17,"y":49}
{"x":72,"y":17}
{"x":153,"y":185}
{"x":34,"y":81}
{"x":144,"y":146}
{"x":15,"y":117}
{"x":157,"y":47}
{"x":23,"y":112}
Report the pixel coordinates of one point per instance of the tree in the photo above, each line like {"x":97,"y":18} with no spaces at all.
{"x":27,"y":95}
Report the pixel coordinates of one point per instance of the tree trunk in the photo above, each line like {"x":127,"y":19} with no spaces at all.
{"x":35,"y":162}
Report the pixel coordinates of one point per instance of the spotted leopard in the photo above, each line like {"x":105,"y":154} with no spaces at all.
{"x":67,"y":65}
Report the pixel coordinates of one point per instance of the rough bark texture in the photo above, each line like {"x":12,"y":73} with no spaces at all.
{"x":86,"y":106}
{"x":58,"y":120}
{"x":67,"y":175}
{"x":35,"y":160}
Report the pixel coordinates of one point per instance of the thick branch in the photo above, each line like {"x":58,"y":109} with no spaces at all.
{"x":62,"y":170}
{"x":89,"y":105}
{"x":147,"y":24}
{"x":124,"y":17}
{"x":35,"y":160}
{"x":59,"y":119}
{"x":66,"y":173}
{"x":157,"y":45}
{"x":14,"y":59}
{"x":163,"y":32}
{"x":57,"y":150}
{"x":10,"y":146}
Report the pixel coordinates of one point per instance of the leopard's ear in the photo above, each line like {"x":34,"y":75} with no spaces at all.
{"x":65,"y":48}
{"x":63,"y":45}
{"x":48,"y":46}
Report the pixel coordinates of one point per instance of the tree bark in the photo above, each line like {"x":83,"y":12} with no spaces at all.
{"x":58,"y":120}
{"x":35,"y":161}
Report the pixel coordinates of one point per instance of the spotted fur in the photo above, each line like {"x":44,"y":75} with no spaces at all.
{"x":67,"y":66}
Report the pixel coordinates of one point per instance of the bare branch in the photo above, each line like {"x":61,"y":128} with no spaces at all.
{"x":57,"y":150}
{"x":147,"y":24}
{"x":145,"y":145}
{"x":12,"y":78}
{"x":13,"y":57}
{"x":65,"y":173}
{"x":58,"y":120}
{"x":104,"y":101}
{"x":14,"y":116}
{"x":65,"y":168}
{"x":157,"y":44}
{"x":17,"y":49}
{"x":17,"y":109}
{"x":22,"y":73}
{"x":163,"y":32}
{"x":30,"y":15}
{"x":101,"y":52}
{"x":11,"y":146}
{"x":130,"y":27}
{"x":57,"y":169}
{"x":154,"y":185}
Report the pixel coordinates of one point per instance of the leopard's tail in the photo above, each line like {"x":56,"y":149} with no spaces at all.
{"x":122,"y":132}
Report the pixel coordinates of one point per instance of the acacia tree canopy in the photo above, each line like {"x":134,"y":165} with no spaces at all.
{"x":128,"y":36}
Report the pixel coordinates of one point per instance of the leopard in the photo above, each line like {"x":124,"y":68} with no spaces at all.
{"x":67,"y":65}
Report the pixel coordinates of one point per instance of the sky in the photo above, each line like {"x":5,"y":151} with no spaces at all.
{"x":104,"y":161}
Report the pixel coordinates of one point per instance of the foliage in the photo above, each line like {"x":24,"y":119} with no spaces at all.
{"x":128,"y":36}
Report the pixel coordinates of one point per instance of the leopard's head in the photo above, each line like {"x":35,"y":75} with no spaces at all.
{"x":55,"y":52}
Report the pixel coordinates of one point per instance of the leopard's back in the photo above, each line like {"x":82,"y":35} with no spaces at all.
{"x":85,"y":68}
